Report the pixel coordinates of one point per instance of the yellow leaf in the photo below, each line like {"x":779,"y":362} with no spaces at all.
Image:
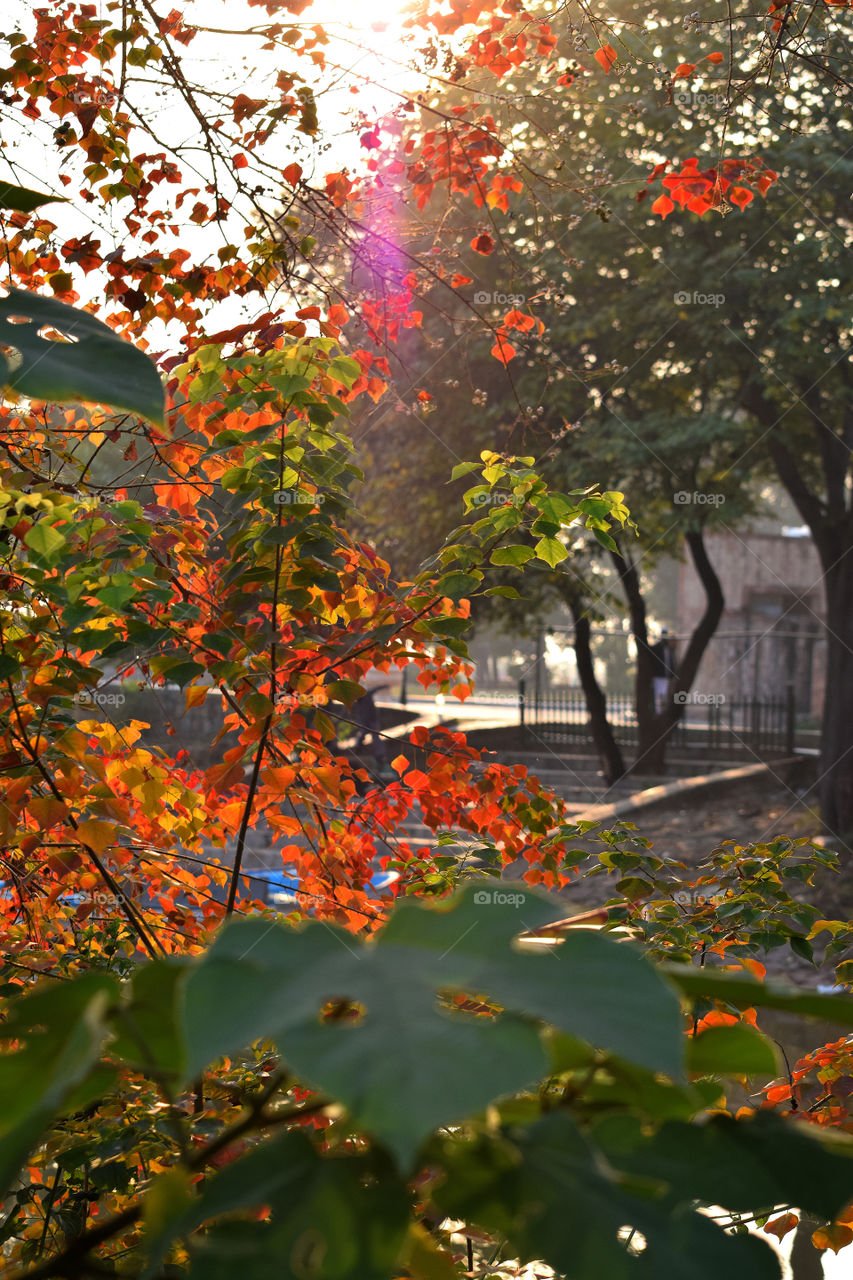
{"x":196,"y":694}
{"x":833,"y":1237}
{"x":97,"y":835}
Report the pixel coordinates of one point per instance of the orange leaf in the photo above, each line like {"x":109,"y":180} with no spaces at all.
{"x":240,"y":161}
{"x":292,"y":174}
{"x":780,"y":1227}
{"x":605,"y":57}
{"x":399,"y":764}
{"x":714,"y":57}
{"x":663,"y":205}
{"x":833,"y":1237}
{"x":503,"y":351}
{"x":684,"y":69}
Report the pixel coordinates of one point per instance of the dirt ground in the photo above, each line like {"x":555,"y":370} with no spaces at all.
{"x":756,"y":810}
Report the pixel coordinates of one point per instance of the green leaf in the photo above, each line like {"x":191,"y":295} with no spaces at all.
{"x":516,"y":556}
{"x":23,"y":199}
{"x":404,"y":1067}
{"x":44,"y":539}
{"x":149,"y":1034}
{"x":346,"y":691}
{"x":744,"y":993}
{"x":743,"y":1165}
{"x":342,"y":1216}
{"x":457,"y":585}
{"x":9,"y":666}
{"x":549,"y":1193}
{"x":551,"y":550}
{"x":733,"y":1050}
{"x":60,"y":1029}
{"x":590,"y":986}
{"x":463,"y":469}
{"x":95,"y":366}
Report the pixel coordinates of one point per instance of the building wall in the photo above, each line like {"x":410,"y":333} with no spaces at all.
{"x":771,"y":632}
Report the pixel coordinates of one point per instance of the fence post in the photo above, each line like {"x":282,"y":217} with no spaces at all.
{"x":521,"y":704}
{"x":790,"y":720}
{"x":403,"y":692}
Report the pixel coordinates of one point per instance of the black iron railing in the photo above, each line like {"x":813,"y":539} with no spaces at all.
{"x":748,"y":726}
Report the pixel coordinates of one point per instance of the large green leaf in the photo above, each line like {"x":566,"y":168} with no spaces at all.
{"x":744,"y":993}
{"x":548,"y":1192}
{"x":404,"y":1066}
{"x":58,"y":1033}
{"x":743,"y":1165}
{"x":591,"y":986}
{"x":93,"y":364}
{"x":337,"y":1217}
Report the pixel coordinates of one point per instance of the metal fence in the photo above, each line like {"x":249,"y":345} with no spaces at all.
{"x":739,"y":726}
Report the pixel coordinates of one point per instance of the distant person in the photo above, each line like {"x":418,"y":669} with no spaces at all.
{"x":663,"y":669}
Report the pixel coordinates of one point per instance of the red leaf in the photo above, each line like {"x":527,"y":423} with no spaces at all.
{"x":741,"y":196}
{"x":483,"y":243}
{"x":684,"y":69}
{"x":663,"y":205}
{"x":714,"y":57}
{"x":780,"y":1227}
{"x":605,"y":57}
{"x":503,"y":351}
{"x":292,"y":174}
{"x":240,"y":161}
{"x":308,"y":313}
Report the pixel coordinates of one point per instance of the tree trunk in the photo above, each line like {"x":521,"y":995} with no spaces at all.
{"x":836,"y":750}
{"x":654,"y":730}
{"x":609,"y":751}
{"x":806,"y":1262}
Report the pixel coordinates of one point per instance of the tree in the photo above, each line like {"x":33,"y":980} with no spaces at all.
{"x":124,"y":1084}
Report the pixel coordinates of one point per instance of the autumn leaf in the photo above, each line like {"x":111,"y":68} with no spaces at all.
{"x":503,"y":351}
{"x":780,"y":1227}
{"x":833,"y":1237}
{"x":605,"y":57}
{"x":741,"y":196}
{"x":483,"y":243}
